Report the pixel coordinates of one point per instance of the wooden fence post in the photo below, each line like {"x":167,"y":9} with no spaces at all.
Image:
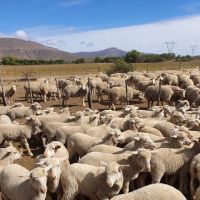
{"x":50,"y":71}
{"x":30,"y":90}
{"x":160,"y":85}
{"x":3,"y":93}
{"x":126,"y":84}
{"x":89,"y":94}
{"x":59,"y":93}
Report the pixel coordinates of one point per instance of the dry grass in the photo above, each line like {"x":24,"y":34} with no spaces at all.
{"x":84,"y":69}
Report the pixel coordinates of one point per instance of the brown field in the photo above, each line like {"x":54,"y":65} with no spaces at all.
{"x":59,"y":71}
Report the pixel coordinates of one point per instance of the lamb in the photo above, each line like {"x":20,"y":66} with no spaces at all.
{"x":75,"y":91}
{"x":5,"y":109}
{"x":169,"y":79}
{"x":165,"y":128}
{"x":4,"y":119}
{"x":101,"y":89}
{"x":156,"y":192}
{"x":9,"y":93}
{"x":16,"y":182}
{"x":53,"y":177}
{"x":140,"y":141}
{"x":54,"y":149}
{"x":169,"y":161}
{"x":194,"y":173}
{"x":20,"y":112}
{"x":142,"y":85}
{"x":186,"y":83}
{"x":35,"y":88}
{"x":9,"y":132}
{"x":136,"y":124}
{"x":93,"y":182}
{"x":80,"y":143}
{"x":62,"y":83}
{"x":137,"y":162}
{"x":50,"y":129}
{"x":8,"y":155}
{"x":192,"y":93}
{"x":118,"y":93}
{"x":166,"y":94}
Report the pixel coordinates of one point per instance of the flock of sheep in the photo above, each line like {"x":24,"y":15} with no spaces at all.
{"x":128,"y":154}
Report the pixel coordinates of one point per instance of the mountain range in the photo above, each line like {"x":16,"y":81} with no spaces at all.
{"x":24,"y":49}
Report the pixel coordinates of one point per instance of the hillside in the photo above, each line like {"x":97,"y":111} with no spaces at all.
{"x":110,"y":52}
{"x":23,"y":49}
{"x":31,"y":50}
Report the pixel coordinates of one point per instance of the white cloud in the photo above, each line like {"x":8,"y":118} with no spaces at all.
{"x":20,"y":34}
{"x":147,"y":37}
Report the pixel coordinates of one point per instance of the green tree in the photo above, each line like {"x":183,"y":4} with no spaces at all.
{"x":97,"y":60}
{"x":120,"y":66}
{"x":132,"y":56}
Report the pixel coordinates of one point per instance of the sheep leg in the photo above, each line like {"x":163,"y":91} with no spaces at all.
{"x":25,"y":142}
{"x":192,"y":190}
{"x":45,"y":98}
{"x":157,"y":174}
{"x":3,"y":196}
{"x":44,"y":140}
{"x":125,"y":187}
{"x":63,"y":103}
{"x":83,"y":102}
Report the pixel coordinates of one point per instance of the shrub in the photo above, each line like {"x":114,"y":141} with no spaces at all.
{"x":120,"y":66}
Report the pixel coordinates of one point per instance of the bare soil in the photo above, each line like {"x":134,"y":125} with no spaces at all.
{"x":74,"y":103}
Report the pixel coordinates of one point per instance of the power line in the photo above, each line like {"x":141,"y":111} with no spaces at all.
{"x":170,"y":46}
{"x":193,"y":49}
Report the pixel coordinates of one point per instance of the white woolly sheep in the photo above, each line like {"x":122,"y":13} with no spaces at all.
{"x":93,"y":182}
{"x":16,"y":182}
{"x":137,"y":162}
{"x":156,"y":192}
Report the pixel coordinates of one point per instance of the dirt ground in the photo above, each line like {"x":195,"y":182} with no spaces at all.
{"x":73,"y":103}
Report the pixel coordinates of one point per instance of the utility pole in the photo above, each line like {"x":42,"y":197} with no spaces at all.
{"x":193,"y":49}
{"x":170,"y":46}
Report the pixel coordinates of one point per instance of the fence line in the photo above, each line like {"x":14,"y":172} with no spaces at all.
{"x":85,"y":69}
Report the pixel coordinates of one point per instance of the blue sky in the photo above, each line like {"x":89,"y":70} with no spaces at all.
{"x":88,"y":25}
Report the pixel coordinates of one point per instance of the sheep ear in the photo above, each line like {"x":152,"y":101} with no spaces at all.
{"x":10,"y":144}
{"x":134,"y":152}
{"x":57,"y":147}
{"x":123,"y":166}
{"x":47,"y":168}
{"x":174,"y":136}
{"x":41,"y":162}
{"x":137,"y":138}
{"x":104,"y":164}
{"x":28,"y":118}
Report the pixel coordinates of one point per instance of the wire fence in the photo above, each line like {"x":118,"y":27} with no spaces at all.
{"x":17,"y":72}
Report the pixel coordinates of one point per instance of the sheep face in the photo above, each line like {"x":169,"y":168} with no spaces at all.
{"x":145,"y":142}
{"x":14,"y":153}
{"x":113,"y":173}
{"x":143,"y":159}
{"x":54,"y":172}
{"x":116,"y":136}
{"x":38,"y":179}
{"x":181,"y":139}
{"x":51,"y":149}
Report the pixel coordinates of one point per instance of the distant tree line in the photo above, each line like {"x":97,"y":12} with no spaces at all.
{"x":133,"y":56}
{"x":138,"y":57}
{"x":16,"y":61}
